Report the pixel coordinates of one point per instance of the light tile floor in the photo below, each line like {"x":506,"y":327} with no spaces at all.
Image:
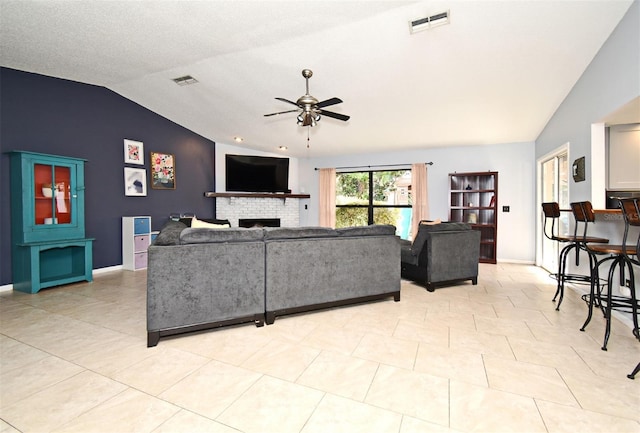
{"x":496,"y":357}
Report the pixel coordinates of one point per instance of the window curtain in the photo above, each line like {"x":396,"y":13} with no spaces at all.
{"x":420,"y":209}
{"x":327,"y":197}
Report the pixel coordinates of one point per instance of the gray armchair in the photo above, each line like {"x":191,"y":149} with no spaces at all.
{"x":441,"y":253}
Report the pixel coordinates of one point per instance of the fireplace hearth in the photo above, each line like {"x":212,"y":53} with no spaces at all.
{"x":259,"y":222}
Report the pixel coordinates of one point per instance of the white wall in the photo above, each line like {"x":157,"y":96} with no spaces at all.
{"x":608,"y":83}
{"x":514,"y":162}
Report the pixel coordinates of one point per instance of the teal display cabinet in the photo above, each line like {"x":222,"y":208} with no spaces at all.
{"x":48,"y":242}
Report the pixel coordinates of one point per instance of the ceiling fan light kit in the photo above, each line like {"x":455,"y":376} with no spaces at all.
{"x":310,"y":110}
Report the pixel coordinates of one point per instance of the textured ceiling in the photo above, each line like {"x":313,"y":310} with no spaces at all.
{"x":495,"y":74}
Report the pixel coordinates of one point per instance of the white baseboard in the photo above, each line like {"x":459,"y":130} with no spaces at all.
{"x":9,"y":287}
{"x":516,"y":262}
{"x":107,"y":269}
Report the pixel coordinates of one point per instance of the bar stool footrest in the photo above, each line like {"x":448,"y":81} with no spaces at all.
{"x":619,"y":303}
{"x":573,"y":278}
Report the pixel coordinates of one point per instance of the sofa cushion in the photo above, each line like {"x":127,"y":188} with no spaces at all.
{"x":372,"y":230}
{"x":298,"y":232}
{"x":425,"y":229}
{"x":204,"y":235}
{"x":170,"y":233}
{"x":444,"y":226}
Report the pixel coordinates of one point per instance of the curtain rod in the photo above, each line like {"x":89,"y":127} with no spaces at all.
{"x":379,"y":165}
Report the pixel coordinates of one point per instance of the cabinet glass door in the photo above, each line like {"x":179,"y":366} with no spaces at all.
{"x":52,"y":194}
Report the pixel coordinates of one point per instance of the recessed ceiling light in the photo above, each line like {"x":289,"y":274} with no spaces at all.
{"x":238,"y":139}
{"x":282,"y":147}
{"x":185,"y":80}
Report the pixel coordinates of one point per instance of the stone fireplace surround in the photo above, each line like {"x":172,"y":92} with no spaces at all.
{"x":236,"y":206}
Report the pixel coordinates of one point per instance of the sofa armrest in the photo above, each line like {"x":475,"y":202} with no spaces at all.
{"x":452,"y":255}
{"x":202,"y":283}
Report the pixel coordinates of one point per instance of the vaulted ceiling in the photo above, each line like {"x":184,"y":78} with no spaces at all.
{"x":495,"y":74}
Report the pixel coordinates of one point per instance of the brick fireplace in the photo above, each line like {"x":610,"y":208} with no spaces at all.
{"x":234,"y":207}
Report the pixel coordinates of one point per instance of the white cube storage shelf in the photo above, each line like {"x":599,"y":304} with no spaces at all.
{"x":136,"y":238}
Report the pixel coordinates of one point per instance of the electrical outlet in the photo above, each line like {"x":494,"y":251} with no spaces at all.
{"x":505,"y":208}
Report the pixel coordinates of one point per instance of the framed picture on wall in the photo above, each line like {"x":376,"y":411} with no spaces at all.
{"x":135,"y":181}
{"x":133,"y":152}
{"x":163,"y":171}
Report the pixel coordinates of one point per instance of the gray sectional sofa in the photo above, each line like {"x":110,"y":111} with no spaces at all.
{"x":201,"y":278}
{"x":310,"y":268}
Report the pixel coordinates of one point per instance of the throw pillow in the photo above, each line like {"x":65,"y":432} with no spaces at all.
{"x":430,"y":223}
{"x":196,"y":223}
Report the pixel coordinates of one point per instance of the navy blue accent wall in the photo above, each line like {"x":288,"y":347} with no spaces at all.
{"x":61,"y":117}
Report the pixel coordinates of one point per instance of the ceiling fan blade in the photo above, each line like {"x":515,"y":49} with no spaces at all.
{"x":326,"y":103}
{"x":338,"y":116}
{"x":287,"y":101}
{"x":280,"y":112}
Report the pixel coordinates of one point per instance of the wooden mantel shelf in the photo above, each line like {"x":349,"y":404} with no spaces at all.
{"x":254,"y":195}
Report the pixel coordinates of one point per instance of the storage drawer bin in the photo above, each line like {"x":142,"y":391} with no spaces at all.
{"x":141,"y":225}
{"x":140,"y":260}
{"x":141,"y":243}
{"x":136,"y":238}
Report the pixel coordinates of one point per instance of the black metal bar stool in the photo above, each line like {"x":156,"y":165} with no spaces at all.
{"x":551,"y":212}
{"x":583,"y":215}
{"x":623,"y":258}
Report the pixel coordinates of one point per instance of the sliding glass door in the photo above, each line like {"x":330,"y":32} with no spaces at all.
{"x":555,"y":188}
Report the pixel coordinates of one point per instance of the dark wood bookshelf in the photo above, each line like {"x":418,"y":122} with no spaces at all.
{"x":473,"y":199}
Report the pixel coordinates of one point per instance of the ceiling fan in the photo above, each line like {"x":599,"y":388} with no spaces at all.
{"x":310,"y":108}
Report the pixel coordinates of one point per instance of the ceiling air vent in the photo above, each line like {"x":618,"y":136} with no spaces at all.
{"x":185,"y":81}
{"x":425,"y":23}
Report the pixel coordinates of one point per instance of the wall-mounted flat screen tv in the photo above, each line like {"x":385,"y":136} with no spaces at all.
{"x":247,"y":173}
